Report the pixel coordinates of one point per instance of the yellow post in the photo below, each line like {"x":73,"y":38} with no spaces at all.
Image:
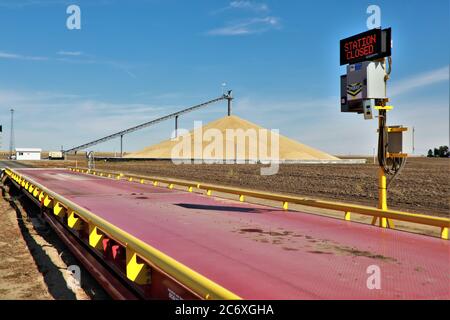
{"x":382,"y":201}
{"x":285,"y":205}
{"x":382,"y":196}
{"x":347,"y":216}
{"x":444,"y":233}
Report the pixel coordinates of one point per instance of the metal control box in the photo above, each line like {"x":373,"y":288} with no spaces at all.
{"x":365,"y":80}
{"x":363,"y":83}
{"x":399,"y":140}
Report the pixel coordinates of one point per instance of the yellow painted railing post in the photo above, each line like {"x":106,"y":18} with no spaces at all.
{"x":142,"y":181}
{"x":136,"y":272}
{"x":347,"y":216}
{"x":209,"y":192}
{"x":95,"y":238}
{"x":444,"y":233}
{"x":170,"y":186}
{"x":241,"y":198}
{"x":155,"y":183}
{"x":285,"y":205}
{"x":190,"y":189}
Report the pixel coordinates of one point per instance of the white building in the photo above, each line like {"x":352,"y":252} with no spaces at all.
{"x":28,"y":153}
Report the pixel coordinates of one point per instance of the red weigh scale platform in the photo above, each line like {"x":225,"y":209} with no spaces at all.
{"x":260,"y":252}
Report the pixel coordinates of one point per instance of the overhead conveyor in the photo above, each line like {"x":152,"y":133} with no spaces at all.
{"x":226,"y":96}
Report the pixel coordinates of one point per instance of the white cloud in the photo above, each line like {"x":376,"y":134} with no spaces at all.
{"x":77,"y":57}
{"x":69,"y":53}
{"x":15,"y":56}
{"x":247,"y":27}
{"x":420,"y":80}
{"x":253,"y":6}
{"x":250,"y":5}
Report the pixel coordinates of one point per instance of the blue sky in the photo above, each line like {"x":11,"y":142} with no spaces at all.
{"x":133,"y":61}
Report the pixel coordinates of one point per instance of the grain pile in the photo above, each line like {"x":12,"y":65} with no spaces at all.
{"x":240,"y":147}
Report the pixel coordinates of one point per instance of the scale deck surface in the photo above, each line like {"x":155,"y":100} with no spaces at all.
{"x":261,"y":252}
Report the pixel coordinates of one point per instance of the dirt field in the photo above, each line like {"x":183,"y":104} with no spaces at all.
{"x":423,"y":186}
{"x":19,"y":275}
{"x":33,"y":261}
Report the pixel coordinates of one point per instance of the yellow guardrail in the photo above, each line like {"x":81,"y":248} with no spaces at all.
{"x":347,"y":208}
{"x":202,"y":286}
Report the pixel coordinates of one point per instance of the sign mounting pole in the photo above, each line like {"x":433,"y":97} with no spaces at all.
{"x":363,"y":89}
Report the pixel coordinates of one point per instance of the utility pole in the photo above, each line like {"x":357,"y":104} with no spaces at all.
{"x":374,"y":156}
{"x":229,"y":98}
{"x":121,"y":145}
{"x":11,"y":138}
